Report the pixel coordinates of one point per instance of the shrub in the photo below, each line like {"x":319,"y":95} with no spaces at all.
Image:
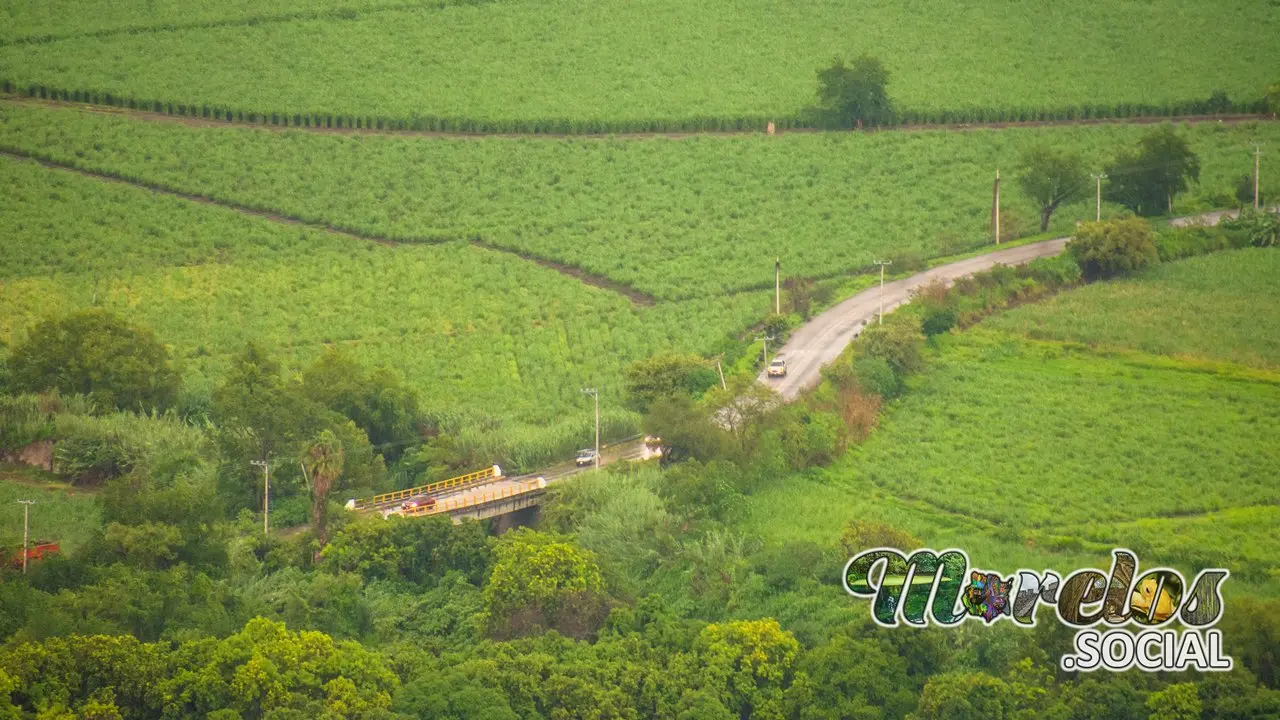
{"x":874,"y":375}
{"x":896,"y":342}
{"x":937,"y":321}
{"x":1113,"y":247}
{"x":860,"y":535}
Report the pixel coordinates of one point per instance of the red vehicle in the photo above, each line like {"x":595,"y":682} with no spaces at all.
{"x":419,"y":502}
{"x":35,"y":551}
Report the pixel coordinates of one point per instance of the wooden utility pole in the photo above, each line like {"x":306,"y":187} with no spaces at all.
{"x":777,"y":286}
{"x":995,"y":207}
{"x":1257,"y":156}
{"x":720,"y":370}
{"x":1098,"y":201}
{"x":26,"y":525}
{"x":266,"y":491}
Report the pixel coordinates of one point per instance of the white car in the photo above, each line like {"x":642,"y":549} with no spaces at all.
{"x":778,"y":368}
{"x":586,"y":457}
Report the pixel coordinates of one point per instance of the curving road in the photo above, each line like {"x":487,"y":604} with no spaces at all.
{"x":824,"y":337}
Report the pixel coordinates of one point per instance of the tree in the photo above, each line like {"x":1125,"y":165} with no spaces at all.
{"x":538,"y":577}
{"x":747,"y":663}
{"x":1146,"y":180}
{"x":897,"y":342}
{"x":662,"y":376}
{"x":1113,"y":247}
{"x":687,"y":430}
{"x":377,"y":402}
{"x":324,"y":462}
{"x":1179,"y":701}
{"x":1052,"y":179}
{"x":99,"y":354}
{"x":854,"y":96}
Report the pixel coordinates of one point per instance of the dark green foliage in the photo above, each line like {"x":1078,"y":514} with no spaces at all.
{"x":96,"y":353}
{"x":413,"y":550}
{"x":687,"y":430}
{"x":1052,"y":179}
{"x":861,"y":535}
{"x":854,"y":96}
{"x":377,"y":402}
{"x":1147,"y":179}
{"x":1262,"y":228}
{"x":1113,"y":247}
{"x":938,"y":320}
{"x":876,"y":375}
{"x":1179,"y":243}
{"x":898,"y":342}
{"x":666,"y":375}
{"x":1244,"y":192}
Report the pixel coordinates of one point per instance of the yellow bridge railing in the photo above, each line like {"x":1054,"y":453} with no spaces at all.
{"x":448,"y":505}
{"x":493,"y":472}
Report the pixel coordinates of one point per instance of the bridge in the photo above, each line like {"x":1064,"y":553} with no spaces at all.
{"x":488,"y":493}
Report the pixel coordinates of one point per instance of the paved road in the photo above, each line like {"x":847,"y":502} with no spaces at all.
{"x":823,"y":338}
{"x":629,"y":450}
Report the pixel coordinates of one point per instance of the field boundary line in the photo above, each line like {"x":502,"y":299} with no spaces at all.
{"x":634,"y":296}
{"x":192,"y":121}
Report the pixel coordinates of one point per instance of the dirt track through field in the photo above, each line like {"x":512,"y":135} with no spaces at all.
{"x":149,"y":116}
{"x":635,"y":296}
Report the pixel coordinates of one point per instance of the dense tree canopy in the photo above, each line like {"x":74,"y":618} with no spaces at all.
{"x":96,"y":353}
{"x":855,"y":95}
{"x":1146,"y":180}
{"x":1052,"y":179}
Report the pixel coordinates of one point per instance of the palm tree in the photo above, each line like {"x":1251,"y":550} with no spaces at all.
{"x":323,"y":462}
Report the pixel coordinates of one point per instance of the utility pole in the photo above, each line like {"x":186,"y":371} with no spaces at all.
{"x":995,"y":207}
{"x":596,"y":393}
{"x":777,"y":284}
{"x":1097,"y":179}
{"x":883,"y":264}
{"x":1257,"y":155}
{"x":266,"y":490}
{"x":26,"y":525}
{"x":720,"y":370}
{"x":764,"y":353}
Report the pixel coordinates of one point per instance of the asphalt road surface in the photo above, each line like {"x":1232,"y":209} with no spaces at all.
{"x":824,"y":337}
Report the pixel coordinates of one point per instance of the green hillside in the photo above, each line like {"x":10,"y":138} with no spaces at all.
{"x":656,"y":60}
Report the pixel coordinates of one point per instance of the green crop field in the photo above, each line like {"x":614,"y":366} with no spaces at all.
{"x":676,"y":218}
{"x":1220,"y":307}
{"x":642,"y":62}
{"x":63,"y":514}
{"x":480,"y":333}
{"x":1034,"y":453}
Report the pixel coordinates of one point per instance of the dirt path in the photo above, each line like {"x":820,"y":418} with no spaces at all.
{"x":598,"y":281}
{"x":149,"y":116}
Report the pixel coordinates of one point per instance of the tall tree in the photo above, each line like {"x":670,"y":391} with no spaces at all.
{"x":1052,"y":179}
{"x":96,"y":353}
{"x":1148,"y":179}
{"x":324,"y":462}
{"x":854,"y":96}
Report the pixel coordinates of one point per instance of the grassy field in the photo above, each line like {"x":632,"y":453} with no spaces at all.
{"x":478,"y":332}
{"x":1219,"y":307}
{"x":59,"y":19}
{"x":1040,"y":453}
{"x":61,"y":513}
{"x":676,"y":218}
{"x":658,"y":59}
{"x":1018,"y":451}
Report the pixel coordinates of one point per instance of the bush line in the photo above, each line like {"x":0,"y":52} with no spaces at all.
{"x":1218,"y":105}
